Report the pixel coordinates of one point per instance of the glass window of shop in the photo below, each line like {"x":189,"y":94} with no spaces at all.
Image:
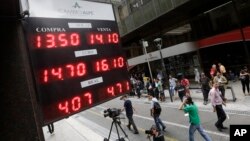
{"x":183,"y":64}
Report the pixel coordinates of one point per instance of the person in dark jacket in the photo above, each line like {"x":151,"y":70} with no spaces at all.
{"x":129,"y":113}
{"x":205,"y":87}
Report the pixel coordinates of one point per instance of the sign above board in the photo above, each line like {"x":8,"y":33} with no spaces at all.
{"x":71,"y":9}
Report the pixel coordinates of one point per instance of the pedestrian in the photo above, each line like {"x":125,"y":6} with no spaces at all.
{"x":217,"y":103}
{"x":159,"y":86}
{"x":196,"y":75}
{"x":189,"y":107}
{"x":172,"y":84}
{"x":139,"y":87}
{"x":155,"y":88}
{"x":51,"y":128}
{"x":180,"y":89}
{"x":222,"y":81}
{"x":129,"y":113}
{"x":155,"y":112}
{"x":149,"y":87}
{"x":222,"y":69}
{"x":213,"y":71}
{"x":157,"y":135}
{"x":205,"y":87}
{"x":186,"y":84}
{"x":244,"y":79}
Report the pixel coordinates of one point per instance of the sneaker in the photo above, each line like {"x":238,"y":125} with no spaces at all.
{"x":218,"y":128}
{"x":128,"y":127}
{"x":163,"y":129}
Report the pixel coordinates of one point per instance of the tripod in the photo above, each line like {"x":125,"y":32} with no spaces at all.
{"x":116,"y":121}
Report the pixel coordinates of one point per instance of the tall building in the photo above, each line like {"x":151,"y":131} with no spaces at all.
{"x":194,"y":33}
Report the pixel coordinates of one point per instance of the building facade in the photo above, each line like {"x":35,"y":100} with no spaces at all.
{"x":194,"y":34}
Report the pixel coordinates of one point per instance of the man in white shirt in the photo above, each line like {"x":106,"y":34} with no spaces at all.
{"x":217,"y":103}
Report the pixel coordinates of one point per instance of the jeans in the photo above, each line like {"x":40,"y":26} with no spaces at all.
{"x":171,"y":90}
{"x":158,"y":122}
{"x":193,"y":128}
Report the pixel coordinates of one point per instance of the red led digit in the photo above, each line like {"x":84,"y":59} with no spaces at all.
{"x":99,"y":37}
{"x":81,"y":69}
{"x":127,"y":84}
{"x":89,"y":97}
{"x":109,"y":38}
{"x":64,"y":106}
{"x":45,"y":76}
{"x":57,"y":72}
{"x":63,"y":40}
{"x":114,"y":63}
{"x":111,"y":91}
{"x":104,"y":65}
{"x":38,"y":41}
{"x":119,"y":86}
{"x":120,"y":62}
{"x":50,"y":41}
{"x":71,"y":69}
{"x":92,"y":39}
{"x":115,"y":38}
{"x":74,"y":39}
{"x":76,"y":103}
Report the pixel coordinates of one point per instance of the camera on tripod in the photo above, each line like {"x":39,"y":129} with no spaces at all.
{"x":114,"y":112}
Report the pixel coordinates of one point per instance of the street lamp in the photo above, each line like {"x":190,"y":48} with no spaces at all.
{"x":145,"y":44}
{"x":158,"y":44}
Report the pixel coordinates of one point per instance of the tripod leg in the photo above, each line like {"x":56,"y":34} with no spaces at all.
{"x":110,"y":130}
{"x":117,"y":130}
{"x":122,"y":130}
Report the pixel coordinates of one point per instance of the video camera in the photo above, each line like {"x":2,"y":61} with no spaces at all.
{"x":149,"y":132}
{"x":114,"y":112}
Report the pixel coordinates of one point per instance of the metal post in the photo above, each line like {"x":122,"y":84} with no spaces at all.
{"x":145,"y":44}
{"x":158,"y":42}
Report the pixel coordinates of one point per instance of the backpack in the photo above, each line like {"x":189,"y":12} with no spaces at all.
{"x":157,"y":108}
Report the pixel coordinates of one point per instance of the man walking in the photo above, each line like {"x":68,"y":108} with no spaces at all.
{"x":205,"y":87}
{"x":217,"y":102}
{"x":155,"y":113}
{"x":129,"y":113}
{"x":221,"y":81}
{"x":189,"y":107}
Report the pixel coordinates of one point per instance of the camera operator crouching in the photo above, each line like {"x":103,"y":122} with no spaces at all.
{"x":157,"y":135}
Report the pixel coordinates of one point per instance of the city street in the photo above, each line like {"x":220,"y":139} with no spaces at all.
{"x":177,"y":124}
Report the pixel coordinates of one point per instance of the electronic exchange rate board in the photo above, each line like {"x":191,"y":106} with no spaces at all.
{"x":76,"y":57}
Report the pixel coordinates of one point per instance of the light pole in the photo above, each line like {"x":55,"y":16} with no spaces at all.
{"x":145,"y":44}
{"x":158,"y":43}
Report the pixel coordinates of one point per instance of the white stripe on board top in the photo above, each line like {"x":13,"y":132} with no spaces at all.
{"x":88,"y":52}
{"x":91,"y":82}
{"x":71,"y":9}
{"x":80,"y":25}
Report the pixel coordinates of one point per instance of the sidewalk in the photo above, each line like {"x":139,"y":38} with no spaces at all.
{"x":71,"y":129}
{"x":242,"y":102}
